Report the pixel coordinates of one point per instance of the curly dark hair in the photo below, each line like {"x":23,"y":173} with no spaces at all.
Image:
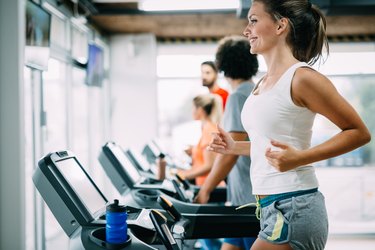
{"x":233,"y":57}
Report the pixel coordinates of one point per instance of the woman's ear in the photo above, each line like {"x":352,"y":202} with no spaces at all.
{"x":282,"y":25}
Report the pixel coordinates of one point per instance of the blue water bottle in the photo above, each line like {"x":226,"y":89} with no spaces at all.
{"x":116,"y":227}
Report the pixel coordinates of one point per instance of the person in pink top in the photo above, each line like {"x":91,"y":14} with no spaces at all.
{"x":208,"y":109}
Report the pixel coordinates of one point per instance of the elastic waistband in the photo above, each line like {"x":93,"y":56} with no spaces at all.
{"x":264,"y":202}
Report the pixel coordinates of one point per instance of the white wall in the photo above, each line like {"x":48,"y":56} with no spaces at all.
{"x":12,"y":173}
{"x":134,"y":89}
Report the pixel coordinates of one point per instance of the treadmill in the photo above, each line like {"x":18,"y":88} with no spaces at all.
{"x":188,"y":192}
{"x":122,"y":170}
{"x":143,"y":192}
{"x":152,"y":150}
{"x":144,"y":167}
{"x":79,"y":207}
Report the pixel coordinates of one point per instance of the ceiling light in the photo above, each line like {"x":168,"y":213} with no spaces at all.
{"x":181,"y":5}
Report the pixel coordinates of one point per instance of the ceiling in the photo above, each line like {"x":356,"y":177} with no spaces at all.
{"x":350,"y":19}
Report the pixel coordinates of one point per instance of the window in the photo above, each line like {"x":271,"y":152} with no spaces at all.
{"x":61,"y":113}
{"x":55,"y":106}
{"x":79,"y":44}
{"x":58,"y":33}
{"x":183,"y":80}
{"x":80,"y":110}
{"x":348,"y":177}
{"x":355,"y":82}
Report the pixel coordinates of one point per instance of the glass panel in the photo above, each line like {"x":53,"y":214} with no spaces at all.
{"x":96,"y":116}
{"x":188,"y":66}
{"x":55,"y":137}
{"x":79,"y":45}
{"x":80,"y":111}
{"x":176,"y":125}
{"x":343,"y":178}
{"x":55,"y":106}
{"x":58,"y":32}
{"x":358,"y":91}
{"x":354,"y":82}
{"x":96,"y":123}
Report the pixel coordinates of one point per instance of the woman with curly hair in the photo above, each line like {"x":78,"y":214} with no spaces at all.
{"x":239,"y":66}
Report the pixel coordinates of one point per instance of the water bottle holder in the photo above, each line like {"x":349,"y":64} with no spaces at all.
{"x":98,"y":237}
{"x":148,"y":194}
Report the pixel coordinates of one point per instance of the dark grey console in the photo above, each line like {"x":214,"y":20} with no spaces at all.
{"x":79,"y":205}
{"x":140,"y":191}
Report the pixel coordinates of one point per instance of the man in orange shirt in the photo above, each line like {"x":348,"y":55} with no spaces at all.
{"x":209,"y":77}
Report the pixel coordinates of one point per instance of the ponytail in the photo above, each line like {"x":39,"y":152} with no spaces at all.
{"x":321,"y":40}
{"x":212,"y":106}
{"x":217,"y":109}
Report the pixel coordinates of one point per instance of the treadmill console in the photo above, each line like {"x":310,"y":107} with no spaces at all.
{"x":113,"y":155}
{"x":125,"y":176}
{"x":139,"y":161}
{"x":68,"y":190}
{"x":151,"y":152}
{"x":74,"y":198}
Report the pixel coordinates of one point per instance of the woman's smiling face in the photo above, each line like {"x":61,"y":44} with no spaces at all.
{"x":261,"y":30}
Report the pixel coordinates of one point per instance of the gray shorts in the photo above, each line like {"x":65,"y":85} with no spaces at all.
{"x":300,"y":221}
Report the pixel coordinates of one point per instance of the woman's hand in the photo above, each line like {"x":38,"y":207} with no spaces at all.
{"x":183,"y":173}
{"x":202,"y":197}
{"x":285,"y":159}
{"x":221,"y":142}
{"x":189,"y":150}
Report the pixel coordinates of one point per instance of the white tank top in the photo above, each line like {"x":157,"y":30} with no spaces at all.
{"x":273,"y":115}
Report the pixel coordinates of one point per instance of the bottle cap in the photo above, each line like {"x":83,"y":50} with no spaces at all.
{"x":115,"y":207}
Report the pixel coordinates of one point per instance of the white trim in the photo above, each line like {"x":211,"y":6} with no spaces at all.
{"x":12,"y":156}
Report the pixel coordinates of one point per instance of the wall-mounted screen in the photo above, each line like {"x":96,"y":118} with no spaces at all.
{"x":38,"y":26}
{"x":95,"y":66}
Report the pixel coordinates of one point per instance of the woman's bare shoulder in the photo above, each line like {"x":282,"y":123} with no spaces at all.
{"x":308,"y":84}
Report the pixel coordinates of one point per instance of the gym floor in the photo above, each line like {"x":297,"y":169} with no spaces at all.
{"x":350,"y":242}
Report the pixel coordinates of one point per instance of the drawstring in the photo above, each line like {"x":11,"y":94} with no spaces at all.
{"x":275,"y":197}
{"x":253,"y":204}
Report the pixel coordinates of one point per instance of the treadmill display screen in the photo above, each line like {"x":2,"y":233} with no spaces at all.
{"x":140,"y":161}
{"x":81,"y":184}
{"x":131,"y":170}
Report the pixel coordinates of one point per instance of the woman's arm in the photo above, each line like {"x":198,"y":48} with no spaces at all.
{"x":314,"y":91}
{"x":209,"y":158}
{"x":223,"y":143}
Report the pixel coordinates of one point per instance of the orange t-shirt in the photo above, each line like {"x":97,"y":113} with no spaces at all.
{"x":198,"y":151}
{"x":223,"y":94}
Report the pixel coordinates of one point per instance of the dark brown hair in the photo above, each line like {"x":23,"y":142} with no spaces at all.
{"x":307,"y":35}
{"x":211,"y":64}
